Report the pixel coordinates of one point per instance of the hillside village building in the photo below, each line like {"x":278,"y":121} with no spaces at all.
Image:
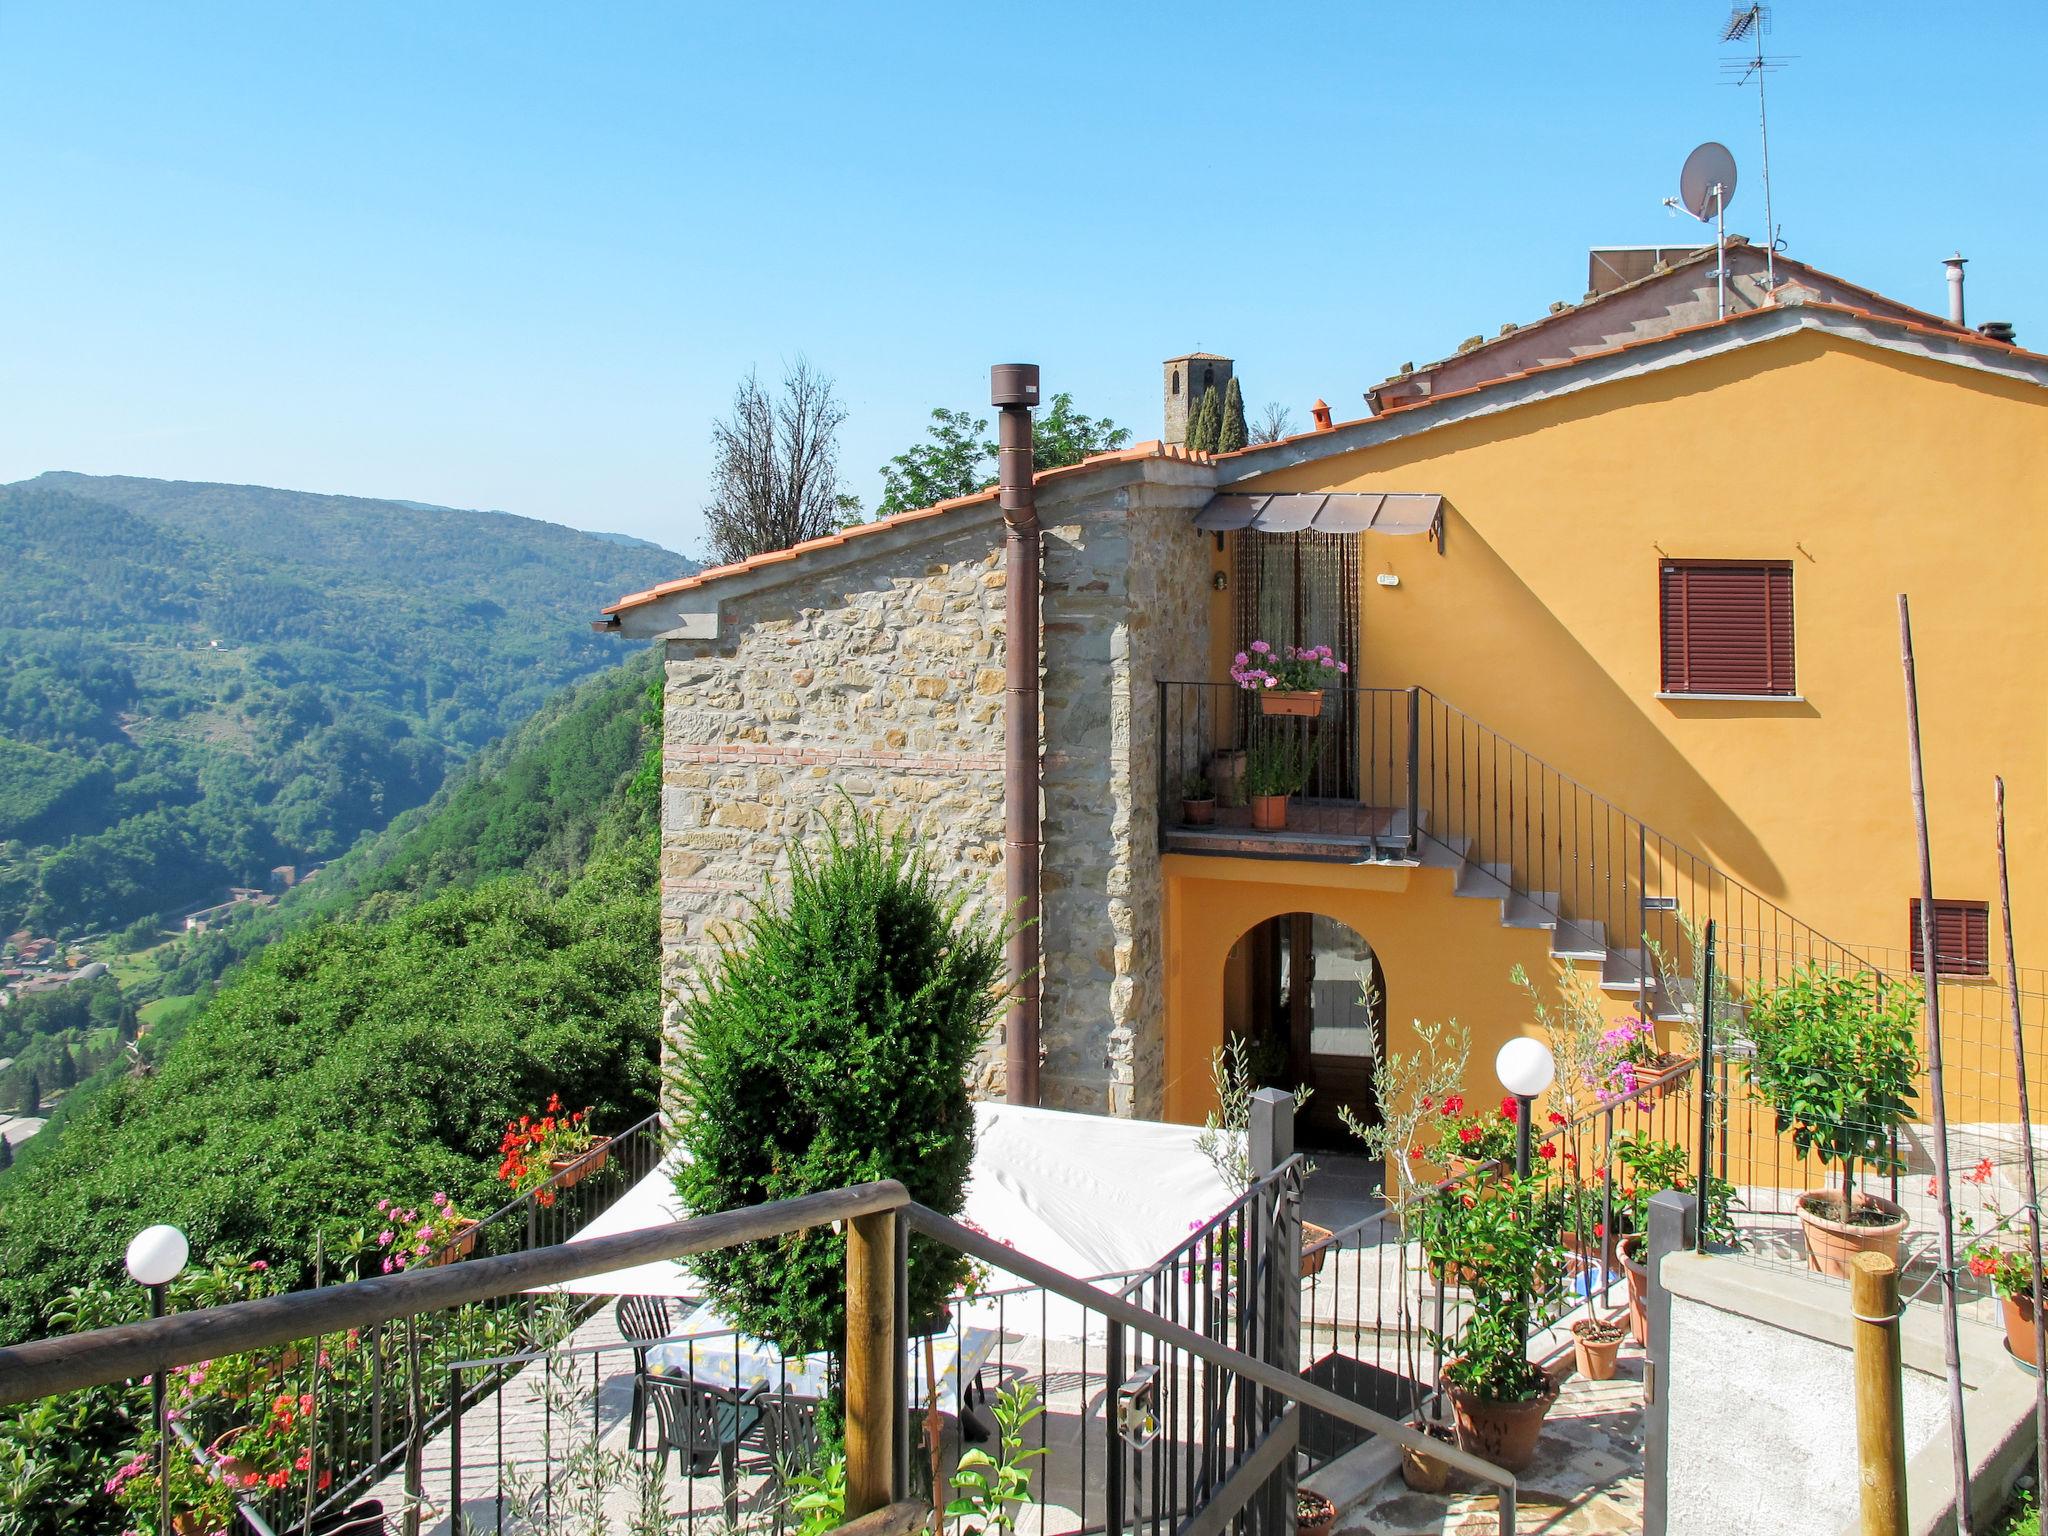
{"x":1617,"y":591}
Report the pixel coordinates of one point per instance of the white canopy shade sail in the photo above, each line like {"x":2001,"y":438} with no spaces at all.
{"x":1088,"y":1194}
{"x":1395,"y":512}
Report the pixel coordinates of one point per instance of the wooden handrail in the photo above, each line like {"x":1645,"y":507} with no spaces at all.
{"x":76,"y":1361}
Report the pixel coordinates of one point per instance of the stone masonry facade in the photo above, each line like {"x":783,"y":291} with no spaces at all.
{"x":879,"y":682}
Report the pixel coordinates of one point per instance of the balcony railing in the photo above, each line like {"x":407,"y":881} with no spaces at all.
{"x":1401,"y":774}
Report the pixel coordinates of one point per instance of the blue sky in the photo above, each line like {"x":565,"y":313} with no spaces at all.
{"x":516,"y":255}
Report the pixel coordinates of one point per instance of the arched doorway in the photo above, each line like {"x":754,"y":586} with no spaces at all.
{"x":1307,"y":992}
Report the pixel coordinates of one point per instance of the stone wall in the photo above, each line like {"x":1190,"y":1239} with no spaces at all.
{"x":1124,"y":604}
{"x":880,"y":682}
{"x":882,"y":679}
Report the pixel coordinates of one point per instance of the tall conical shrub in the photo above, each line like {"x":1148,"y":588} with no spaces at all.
{"x":1206,"y":425}
{"x":1235,"y":432}
{"x":830,"y":1044}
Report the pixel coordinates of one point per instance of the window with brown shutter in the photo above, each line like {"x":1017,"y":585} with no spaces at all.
{"x":1962,"y":937}
{"x":1727,"y":626}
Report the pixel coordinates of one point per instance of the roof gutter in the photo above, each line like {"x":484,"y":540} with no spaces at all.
{"x":1013,"y":389}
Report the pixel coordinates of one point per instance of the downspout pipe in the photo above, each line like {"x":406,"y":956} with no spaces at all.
{"x":1013,"y":390}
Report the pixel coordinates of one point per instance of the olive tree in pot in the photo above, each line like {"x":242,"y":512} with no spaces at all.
{"x":1837,"y":1057}
{"x":1276,"y":765}
{"x":1498,"y":1239}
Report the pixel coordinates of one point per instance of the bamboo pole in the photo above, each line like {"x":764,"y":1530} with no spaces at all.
{"x":1880,"y":1394}
{"x":2019,"y":1070}
{"x":1930,"y":970}
{"x":870,"y":1370}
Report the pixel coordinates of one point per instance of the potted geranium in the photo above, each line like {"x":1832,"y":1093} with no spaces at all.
{"x":1994,"y":1254}
{"x":1499,"y":1398}
{"x":1197,"y":799}
{"x":1836,"y":1056}
{"x":1627,"y":1064}
{"x":544,"y":1154}
{"x":1464,"y":1140}
{"x":435,"y":1234}
{"x":1275,"y":766}
{"x":1289,"y":680}
{"x":201,"y":1504}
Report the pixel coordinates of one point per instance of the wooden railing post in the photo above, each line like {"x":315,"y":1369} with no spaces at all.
{"x":871,"y":1414}
{"x":1880,"y":1395}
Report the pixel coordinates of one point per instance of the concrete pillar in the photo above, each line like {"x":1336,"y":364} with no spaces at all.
{"x":1674,"y":1217}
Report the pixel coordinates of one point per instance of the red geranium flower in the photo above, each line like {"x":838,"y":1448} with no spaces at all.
{"x":1469,"y":1134}
{"x":1454,"y":1104}
{"x":1548,"y":1150}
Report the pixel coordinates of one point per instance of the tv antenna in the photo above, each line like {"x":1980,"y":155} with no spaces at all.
{"x":1751,"y":24}
{"x":1705,"y":185}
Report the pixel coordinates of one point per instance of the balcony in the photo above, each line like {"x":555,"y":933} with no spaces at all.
{"x":1350,"y":773}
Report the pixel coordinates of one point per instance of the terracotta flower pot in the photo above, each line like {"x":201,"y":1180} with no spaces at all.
{"x":230,"y":1466}
{"x":1595,"y":1356}
{"x":570,"y":1171}
{"x":1316,"y":1524}
{"x":1269,"y":812}
{"x":1315,"y":1248}
{"x":1306,"y":703}
{"x":1199,"y":813}
{"x":1663,"y":1073}
{"x":1502,"y":1433}
{"x":1638,"y":1272}
{"x":1423,"y":1472}
{"x":459,"y":1247}
{"x":1830,"y":1245}
{"x":2019,"y":1329}
{"x":188,"y":1524}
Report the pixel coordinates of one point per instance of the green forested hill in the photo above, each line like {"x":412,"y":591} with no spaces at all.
{"x":202,"y":681}
{"x":495,"y":946}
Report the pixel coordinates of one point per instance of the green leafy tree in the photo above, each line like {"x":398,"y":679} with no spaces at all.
{"x":1061,"y":435}
{"x":1205,"y":426}
{"x":829,"y":1044}
{"x":1837,"y":1055}
{"x":1234,"y":432}
{"x":954,"y":459}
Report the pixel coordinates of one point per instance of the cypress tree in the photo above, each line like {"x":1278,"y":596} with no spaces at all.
{"x":1235,"y":432}
{"x":1206,"y":425}
{"x":67,"y":1068}
{"x":6,"y":1153}
{"x":32,"y":1097}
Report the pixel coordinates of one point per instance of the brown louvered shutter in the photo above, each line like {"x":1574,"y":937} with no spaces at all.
{"x":1727,"y":626}
{"x":1962,"y":937}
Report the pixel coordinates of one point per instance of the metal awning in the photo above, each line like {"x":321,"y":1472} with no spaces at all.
{"x":1394,"y":512}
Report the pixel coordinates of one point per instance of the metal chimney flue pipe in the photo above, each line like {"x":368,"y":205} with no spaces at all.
{"x":1013,"y":389}
{"x":1955,"y":288}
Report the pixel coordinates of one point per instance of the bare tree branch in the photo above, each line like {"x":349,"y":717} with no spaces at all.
{"x":1275,"y":422}
{"x":775,"y":471}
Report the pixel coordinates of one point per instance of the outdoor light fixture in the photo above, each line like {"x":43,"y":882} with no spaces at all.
{"x":1220,"y":581}
{"x":1525,"y":1068}
{"x":155,"y":1257}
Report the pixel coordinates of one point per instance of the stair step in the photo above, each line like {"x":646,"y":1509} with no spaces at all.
{"x":1444,"y":854}
{"x":1535,"y":911}
{"x":1483,"y":881}
{"x":1579,"y":938}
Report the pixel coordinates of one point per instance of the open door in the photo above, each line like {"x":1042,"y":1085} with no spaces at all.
{"x":1306,"y":991}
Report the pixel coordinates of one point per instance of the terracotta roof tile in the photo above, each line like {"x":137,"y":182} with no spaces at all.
{"x":1152,"y":449}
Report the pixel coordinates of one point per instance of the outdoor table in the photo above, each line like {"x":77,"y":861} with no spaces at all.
{"x":734,"y":1361}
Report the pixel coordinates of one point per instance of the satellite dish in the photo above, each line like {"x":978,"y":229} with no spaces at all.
{"x":1705,"y":168}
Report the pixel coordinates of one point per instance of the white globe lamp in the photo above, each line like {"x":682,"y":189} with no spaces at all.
{"x":156,"y":1255}
{"x":1525,"y":1067}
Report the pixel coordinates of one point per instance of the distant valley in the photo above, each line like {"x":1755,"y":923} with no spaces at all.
{"x":206,"y":683}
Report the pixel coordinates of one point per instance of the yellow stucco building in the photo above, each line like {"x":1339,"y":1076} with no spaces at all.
{"x":1624,"y":642}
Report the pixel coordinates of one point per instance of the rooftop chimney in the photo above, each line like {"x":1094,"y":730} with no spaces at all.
{"x":1998,"y":330}
{"x":1321,"y":413}
{"x":1955,"y":288}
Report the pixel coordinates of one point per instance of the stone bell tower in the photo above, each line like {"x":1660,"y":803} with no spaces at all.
{"x":1185,"y":379}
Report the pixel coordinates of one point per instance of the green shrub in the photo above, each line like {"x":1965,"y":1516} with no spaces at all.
{"x":829,"y":1044}
{"x":1837,"y":1058}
